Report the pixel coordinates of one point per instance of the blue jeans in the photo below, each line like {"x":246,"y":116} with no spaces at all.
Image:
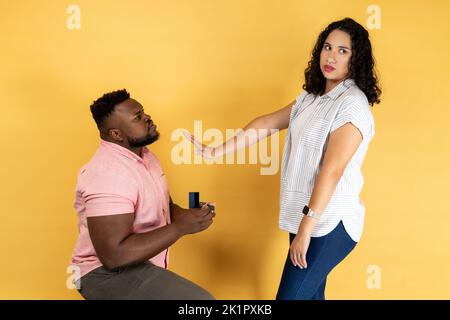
{"x":323,"y":254}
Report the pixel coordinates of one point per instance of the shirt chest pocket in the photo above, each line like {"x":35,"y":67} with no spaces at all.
{"x":315,"y":133}
{"x":160,"y":180}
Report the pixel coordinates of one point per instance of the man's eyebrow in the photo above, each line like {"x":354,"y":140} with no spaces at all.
{"x":139,"y":111}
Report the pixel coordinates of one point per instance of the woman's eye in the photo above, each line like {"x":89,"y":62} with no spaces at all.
{"x":342,"y":51}
{"x":327,"y":47}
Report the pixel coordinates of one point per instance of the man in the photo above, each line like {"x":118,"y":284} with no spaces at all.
{"x":127,"y":220}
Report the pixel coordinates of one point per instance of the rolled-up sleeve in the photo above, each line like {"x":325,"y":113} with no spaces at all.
{"x":356,"y":112}
{"x":107,"y":192}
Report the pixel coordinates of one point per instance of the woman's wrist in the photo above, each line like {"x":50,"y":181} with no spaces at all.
{"x":307,"y":225}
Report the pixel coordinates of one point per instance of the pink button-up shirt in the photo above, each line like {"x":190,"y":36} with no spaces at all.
{"x":117,"y":181}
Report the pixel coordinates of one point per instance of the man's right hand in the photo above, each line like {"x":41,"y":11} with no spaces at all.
{"x":190,"y":221}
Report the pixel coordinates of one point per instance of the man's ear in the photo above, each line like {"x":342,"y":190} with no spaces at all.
{"x":115,"y":134}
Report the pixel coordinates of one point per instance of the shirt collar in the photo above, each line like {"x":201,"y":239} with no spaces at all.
{"x":123,"y":151}
{"x":340,"y":88}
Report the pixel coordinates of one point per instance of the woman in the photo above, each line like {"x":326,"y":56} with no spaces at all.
{"x":330,"y":125}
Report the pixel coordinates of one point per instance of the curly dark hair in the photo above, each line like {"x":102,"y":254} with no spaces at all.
{"x":105,"y":105}
{"x":362,"y":62}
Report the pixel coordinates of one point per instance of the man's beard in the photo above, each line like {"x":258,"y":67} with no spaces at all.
{"x":144,"y":141}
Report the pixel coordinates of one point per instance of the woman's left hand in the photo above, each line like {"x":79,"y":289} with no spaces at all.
{"x":300,"y":244}
{"x":298,"y":250}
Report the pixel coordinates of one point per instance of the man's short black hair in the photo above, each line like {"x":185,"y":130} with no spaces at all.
{"x":104,"y":106}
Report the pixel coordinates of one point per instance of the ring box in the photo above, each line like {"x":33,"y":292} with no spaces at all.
{"x":194,"y":200}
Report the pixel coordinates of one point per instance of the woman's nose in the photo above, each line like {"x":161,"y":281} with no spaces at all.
{"x":331,"y":57}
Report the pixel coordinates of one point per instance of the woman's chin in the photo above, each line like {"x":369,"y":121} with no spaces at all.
{"x":333,"y":79}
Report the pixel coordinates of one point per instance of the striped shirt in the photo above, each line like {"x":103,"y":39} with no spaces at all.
{"x":312,"y":119}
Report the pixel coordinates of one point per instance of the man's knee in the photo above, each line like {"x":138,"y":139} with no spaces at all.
{"x":202,"y":294}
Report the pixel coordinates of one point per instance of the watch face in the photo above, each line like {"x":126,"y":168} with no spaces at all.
{"x":305,"y":210}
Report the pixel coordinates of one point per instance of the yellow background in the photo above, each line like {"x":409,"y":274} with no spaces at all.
{"x":222,"y":62}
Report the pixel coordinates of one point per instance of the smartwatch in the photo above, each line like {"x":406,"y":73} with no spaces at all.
{"x":309,"y":213}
